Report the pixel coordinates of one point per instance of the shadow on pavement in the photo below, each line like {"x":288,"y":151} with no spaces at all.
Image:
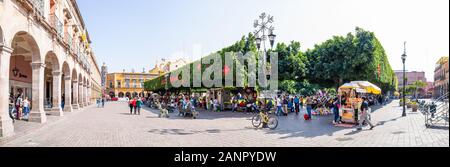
{"x":203,"y":115}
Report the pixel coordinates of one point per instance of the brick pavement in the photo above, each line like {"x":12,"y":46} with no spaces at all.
{"x":114,"y":127}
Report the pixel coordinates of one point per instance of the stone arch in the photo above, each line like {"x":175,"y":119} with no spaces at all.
{"x":25,"y":45}
{"x":52,"y":83}
{"x":66,"y":87}
{"x":121,"y":95}
{"x":128,"y":94}
{"x":52,"y":61}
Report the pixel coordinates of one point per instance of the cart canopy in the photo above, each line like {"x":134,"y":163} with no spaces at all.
{"x":369,"y":87}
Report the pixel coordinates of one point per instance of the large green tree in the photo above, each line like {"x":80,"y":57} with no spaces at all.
{"x":353,"y":57}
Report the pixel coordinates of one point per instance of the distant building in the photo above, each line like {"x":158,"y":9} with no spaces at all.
{"x":429,"y":89}
{"x":129,"y":84}
{"x":441,"y":77}
{"x":167,"y":65}
{"x":104,"y":72}
{"x":411,"y":77}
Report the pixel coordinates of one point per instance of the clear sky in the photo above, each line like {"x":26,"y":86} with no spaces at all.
{"x":136,"y":33}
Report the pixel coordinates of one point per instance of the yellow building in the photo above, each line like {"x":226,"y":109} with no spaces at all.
{"x":131,"y":84}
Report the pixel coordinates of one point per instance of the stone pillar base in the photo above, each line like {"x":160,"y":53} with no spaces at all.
{"x":6,"y":127}
{"x":75,"y":106}
{"x":57,"y":111}
{"x":68,"y":108}
{"x":38,"y":116}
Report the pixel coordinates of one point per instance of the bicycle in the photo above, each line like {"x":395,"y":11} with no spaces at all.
{"x":263,"y":117}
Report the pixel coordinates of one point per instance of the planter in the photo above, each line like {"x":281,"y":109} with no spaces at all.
{"x":414,"y":109}
{"x":408,"y":105}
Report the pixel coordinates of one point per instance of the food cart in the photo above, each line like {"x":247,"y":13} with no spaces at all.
{"x":350,"y":95}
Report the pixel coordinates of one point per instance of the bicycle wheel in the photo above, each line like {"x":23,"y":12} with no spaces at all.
{"x":256,"y":121}
{"x":273,"y":123}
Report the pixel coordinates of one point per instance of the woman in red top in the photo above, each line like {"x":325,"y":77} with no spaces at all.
{"x":134,"y":105}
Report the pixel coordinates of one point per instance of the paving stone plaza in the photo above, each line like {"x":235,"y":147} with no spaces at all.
{"x":112,"y":126}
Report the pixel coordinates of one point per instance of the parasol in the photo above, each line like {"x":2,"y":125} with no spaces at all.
{"x":369,"y":87}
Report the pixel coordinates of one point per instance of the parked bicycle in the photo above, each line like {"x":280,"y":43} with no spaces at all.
{"x":265,"y":119}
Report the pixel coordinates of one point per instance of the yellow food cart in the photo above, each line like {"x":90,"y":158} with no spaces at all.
{"x":350,"y":96}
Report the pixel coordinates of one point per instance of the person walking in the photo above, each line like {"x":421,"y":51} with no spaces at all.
{"x":103,"y":102}
{"x":309,"y":103}
{"x":130,"y":104}
{"x":19,"y":103}
{"x":26,"y":108}
{"x":297,"y":105}
{"x":134,"y":102}
{"x":98,"y":102}
{"x":285,"y":106}
{"x":279,"y":106}
{"x":138,"y":106}
{"x":336,"y":111}
{"x":365,"y":114}
{"x":63,"y":100}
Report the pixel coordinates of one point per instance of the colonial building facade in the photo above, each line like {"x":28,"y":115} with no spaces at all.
{"x":121,"y":85}
{"x":441,"y":75}
{"x":45,"y":56}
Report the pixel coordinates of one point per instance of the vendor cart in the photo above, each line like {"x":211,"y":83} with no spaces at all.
{"x":350,"y":97}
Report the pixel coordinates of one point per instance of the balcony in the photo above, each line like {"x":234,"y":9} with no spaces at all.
{"x":69,"y":41}
{"x":38,"y":6}
{"x":56,"y":24}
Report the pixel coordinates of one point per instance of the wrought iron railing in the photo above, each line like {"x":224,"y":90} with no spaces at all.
{"x":56,"y":24}
{"x":38,"y":5}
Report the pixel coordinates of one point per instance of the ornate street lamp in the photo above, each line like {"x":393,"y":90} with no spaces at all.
{"x":404,"y":80}
{"x":264,"y":30}
{"x":258,"y":42}
{"x":272,"y":39}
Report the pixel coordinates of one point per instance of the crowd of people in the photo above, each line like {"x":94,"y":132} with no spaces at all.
{"x":320,"y":104}
{"x":19,"y":107}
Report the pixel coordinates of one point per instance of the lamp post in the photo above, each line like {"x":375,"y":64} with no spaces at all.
{"x":404,"y":81}
{"x":264,"y":30}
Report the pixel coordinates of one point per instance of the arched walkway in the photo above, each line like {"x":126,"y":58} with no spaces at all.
{"x":66,"y":88}
{"x":27,"y":74}
{"x":52,"y":87}
{"x":75,"y":85}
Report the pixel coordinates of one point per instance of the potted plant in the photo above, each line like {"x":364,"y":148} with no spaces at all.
{"x":414,"y":106}
{"x":408,"y":104}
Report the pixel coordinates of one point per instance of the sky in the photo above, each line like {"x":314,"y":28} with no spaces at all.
{"x":135,"y":34}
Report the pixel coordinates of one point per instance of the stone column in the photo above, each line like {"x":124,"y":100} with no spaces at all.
{"x":37,"y":113}
{"x":89,"y":95}
{"x":6,"y":125}
{"x":86,"y":101}
{"x":68,"y":94}
{"x":75,"y":104}
{"x":56,"y":108}
{"x":80,"y":95}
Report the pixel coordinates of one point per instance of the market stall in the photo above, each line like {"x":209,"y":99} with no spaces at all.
{"x":350,"y":95}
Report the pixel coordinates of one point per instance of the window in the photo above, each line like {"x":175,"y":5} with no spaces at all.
{"x":119,"y":84}
{"x":111,"y":85}
{"x":127,"y":83}
{"x":134,"y":83}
